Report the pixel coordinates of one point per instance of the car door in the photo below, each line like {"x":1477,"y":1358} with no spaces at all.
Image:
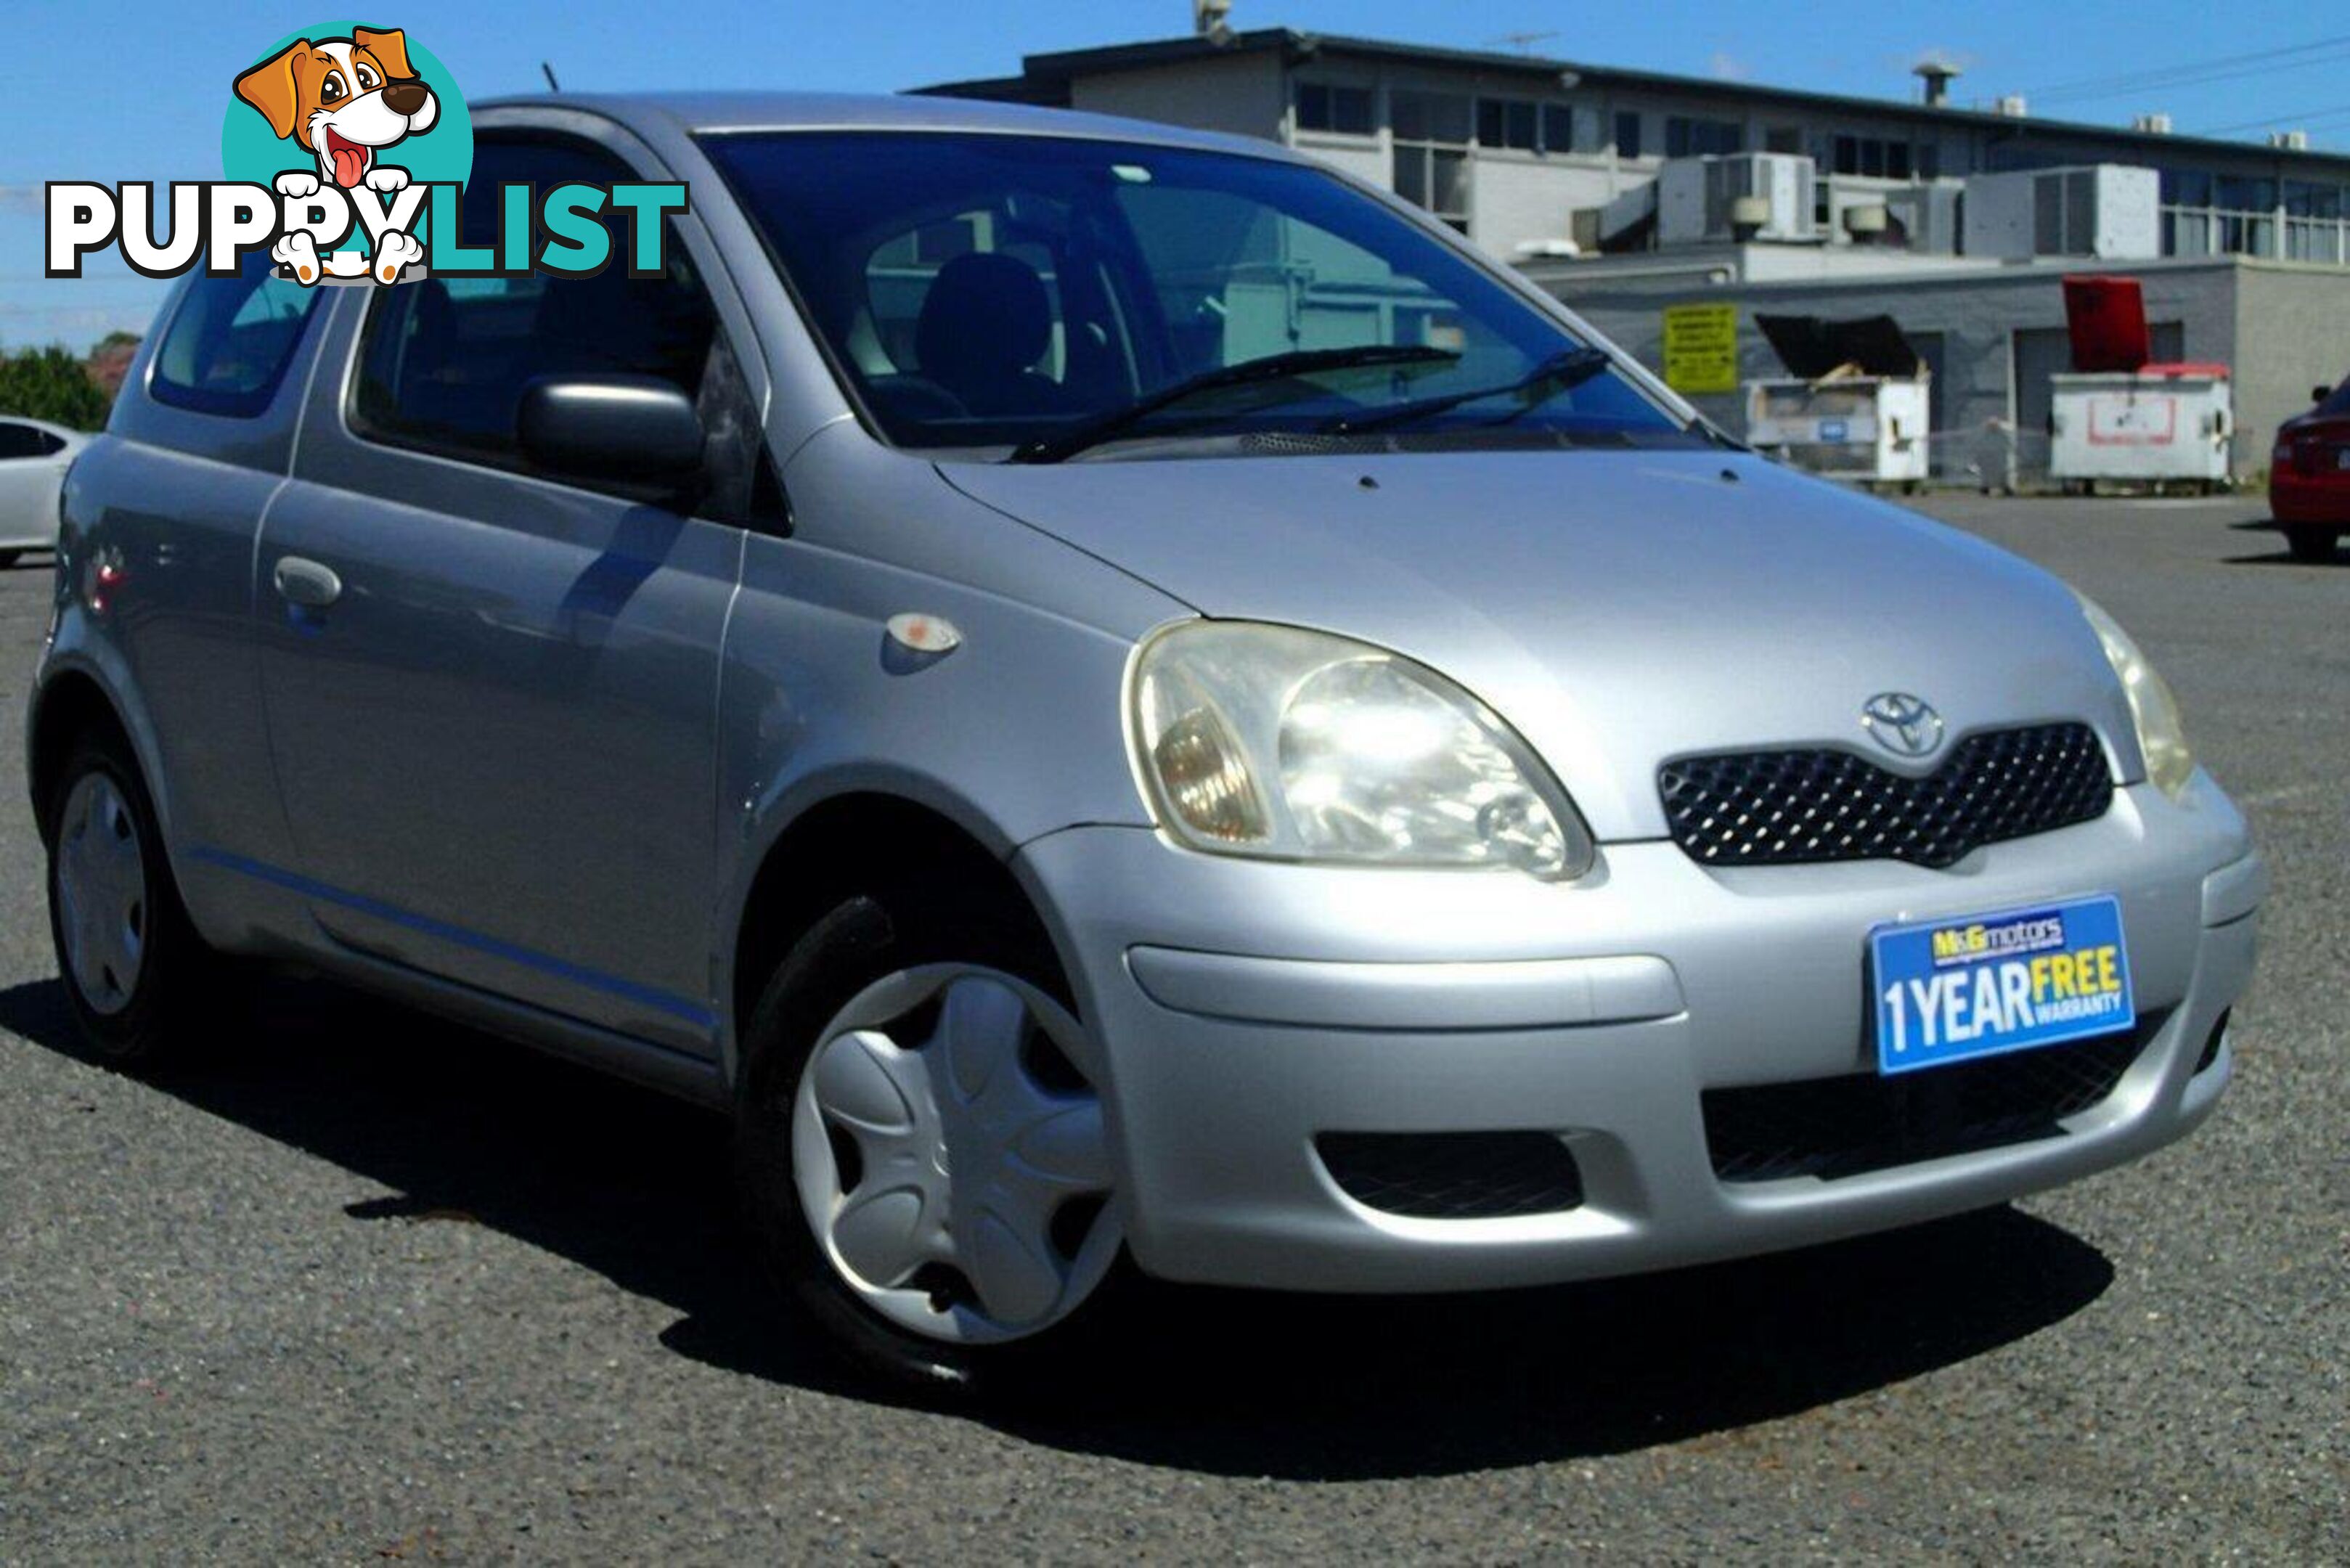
{"x":491,"y":692}
{"x":29,"y":471}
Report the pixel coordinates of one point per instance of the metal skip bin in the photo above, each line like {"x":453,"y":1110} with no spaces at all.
{"x":2119,"y":417}
{"x":2161,"y":424}
{"x":1856,"y":404}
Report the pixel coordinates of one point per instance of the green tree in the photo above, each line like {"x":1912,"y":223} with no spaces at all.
{"x":53,"y":385}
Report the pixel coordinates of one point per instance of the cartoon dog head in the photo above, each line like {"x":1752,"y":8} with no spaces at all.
{"x":343,"y":99}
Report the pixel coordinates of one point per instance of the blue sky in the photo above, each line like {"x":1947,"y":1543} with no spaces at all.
{"x":153,"y":110}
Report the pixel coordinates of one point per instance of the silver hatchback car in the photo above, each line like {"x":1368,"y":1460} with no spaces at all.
{"x":1114,"y":694}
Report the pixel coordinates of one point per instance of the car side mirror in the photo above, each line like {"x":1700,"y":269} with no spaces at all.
{"x":2321,"y":394}
{"x":636,"y":429}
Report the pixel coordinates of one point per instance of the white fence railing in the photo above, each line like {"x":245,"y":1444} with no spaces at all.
{"x":2224,"y":232}
{"x":2317,"y":239}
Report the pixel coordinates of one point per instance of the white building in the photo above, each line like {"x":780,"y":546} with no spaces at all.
{"x":1526,"y":154}
{"x":1628,"y":192}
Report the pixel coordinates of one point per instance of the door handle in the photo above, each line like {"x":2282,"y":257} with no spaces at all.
{"x":306,"y":583}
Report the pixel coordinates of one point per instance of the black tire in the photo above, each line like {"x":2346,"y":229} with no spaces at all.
{"x":178,"y":999}
{"x":2311,"y":542}
{"x":861,"y":940}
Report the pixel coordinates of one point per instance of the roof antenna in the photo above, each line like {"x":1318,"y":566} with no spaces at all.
{"x":552,"y":85}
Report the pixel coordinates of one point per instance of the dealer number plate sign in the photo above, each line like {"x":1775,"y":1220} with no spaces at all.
{"x":1980,"y":985}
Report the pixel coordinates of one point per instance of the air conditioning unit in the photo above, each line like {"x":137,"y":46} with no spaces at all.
{"x":1746,"y":195}
{"x":2152,"y":124}
{"x":2110,"y":211}
{"x":2013,"y":106}
{"x":2289,"y":140}
{"x":1929,"y":216}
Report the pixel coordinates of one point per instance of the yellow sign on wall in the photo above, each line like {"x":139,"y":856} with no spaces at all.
{"x":1702,"y":347}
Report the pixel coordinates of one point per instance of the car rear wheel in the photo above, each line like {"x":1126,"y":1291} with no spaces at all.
{"x":922,"y":1150}
{"x":2311,"y":541}
{"x":139,"y":980}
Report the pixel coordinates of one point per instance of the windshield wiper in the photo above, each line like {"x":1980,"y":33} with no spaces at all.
{"x":1559,"y":373}
{"x":1248,"y":372}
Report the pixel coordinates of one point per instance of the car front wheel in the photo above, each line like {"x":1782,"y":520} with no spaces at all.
{"x":923,"y":1149}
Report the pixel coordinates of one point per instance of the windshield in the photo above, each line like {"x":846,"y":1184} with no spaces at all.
{"x":1057,"y":295}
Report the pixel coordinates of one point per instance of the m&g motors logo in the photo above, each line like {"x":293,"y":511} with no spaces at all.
{"x":346,"y":150}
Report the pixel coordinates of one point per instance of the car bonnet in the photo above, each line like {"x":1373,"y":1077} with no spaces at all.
{"x":1619,"y":609}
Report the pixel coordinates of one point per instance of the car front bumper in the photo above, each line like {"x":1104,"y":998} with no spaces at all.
{"x":1243,"y":1008}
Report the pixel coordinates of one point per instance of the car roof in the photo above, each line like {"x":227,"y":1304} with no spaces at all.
{"x":707,"y":113}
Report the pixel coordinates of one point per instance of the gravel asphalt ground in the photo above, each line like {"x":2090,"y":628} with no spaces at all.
{"x":372,"y":1287}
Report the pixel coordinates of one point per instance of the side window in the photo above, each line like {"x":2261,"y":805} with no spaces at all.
{"x":25,"y":441}
{"x":443,"y":361}
{"x":229,"y":341}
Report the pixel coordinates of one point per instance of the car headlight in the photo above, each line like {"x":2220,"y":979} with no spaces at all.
{"x":2169,"y":761}
{"x":1290,"y":744}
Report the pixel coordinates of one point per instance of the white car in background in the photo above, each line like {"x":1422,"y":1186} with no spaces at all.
{"x":34,"y":457}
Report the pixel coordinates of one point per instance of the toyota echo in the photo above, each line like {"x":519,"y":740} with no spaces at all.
{"x":1119,"y":700}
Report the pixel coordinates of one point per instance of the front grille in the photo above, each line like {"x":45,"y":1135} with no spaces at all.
{"x":1830,"y":1128}
{"x":1454,"y":1176}
{"x":1786,"y":808}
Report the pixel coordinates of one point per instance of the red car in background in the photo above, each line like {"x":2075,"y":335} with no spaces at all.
{"x":2309,"y":476}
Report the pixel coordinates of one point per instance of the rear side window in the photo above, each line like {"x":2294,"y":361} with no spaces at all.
{"x":2339,"y":403}
{"x":25,"y":441}
{"x":230,"y":340}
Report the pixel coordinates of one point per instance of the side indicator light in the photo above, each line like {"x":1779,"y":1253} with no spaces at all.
{"x":924,"y":634}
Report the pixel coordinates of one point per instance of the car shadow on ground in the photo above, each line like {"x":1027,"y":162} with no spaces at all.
{"x":2281,"y":556}
{"x":462,"y":1128}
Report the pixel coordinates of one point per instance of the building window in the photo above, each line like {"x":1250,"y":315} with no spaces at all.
{"x":1783,"y":139}
{"x":1686,"y":137}
{"x":1432,"y":153}
{"x":2187,"y":187}
{"x":1345,"y":109}
{"x":2240,"y":194}
{"x":2303,"y":199}
{"x":1627,"y":134}
{"x":1432,"y":117}
{"x":1559,"y":129}
{"x":1508,"y":122}
{"x":1571,"y":129}
{"x":1880,"y":159}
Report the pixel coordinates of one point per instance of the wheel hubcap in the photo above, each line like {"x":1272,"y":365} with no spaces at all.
{"x":951,"y":1155}
{"x":101,"y":893}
